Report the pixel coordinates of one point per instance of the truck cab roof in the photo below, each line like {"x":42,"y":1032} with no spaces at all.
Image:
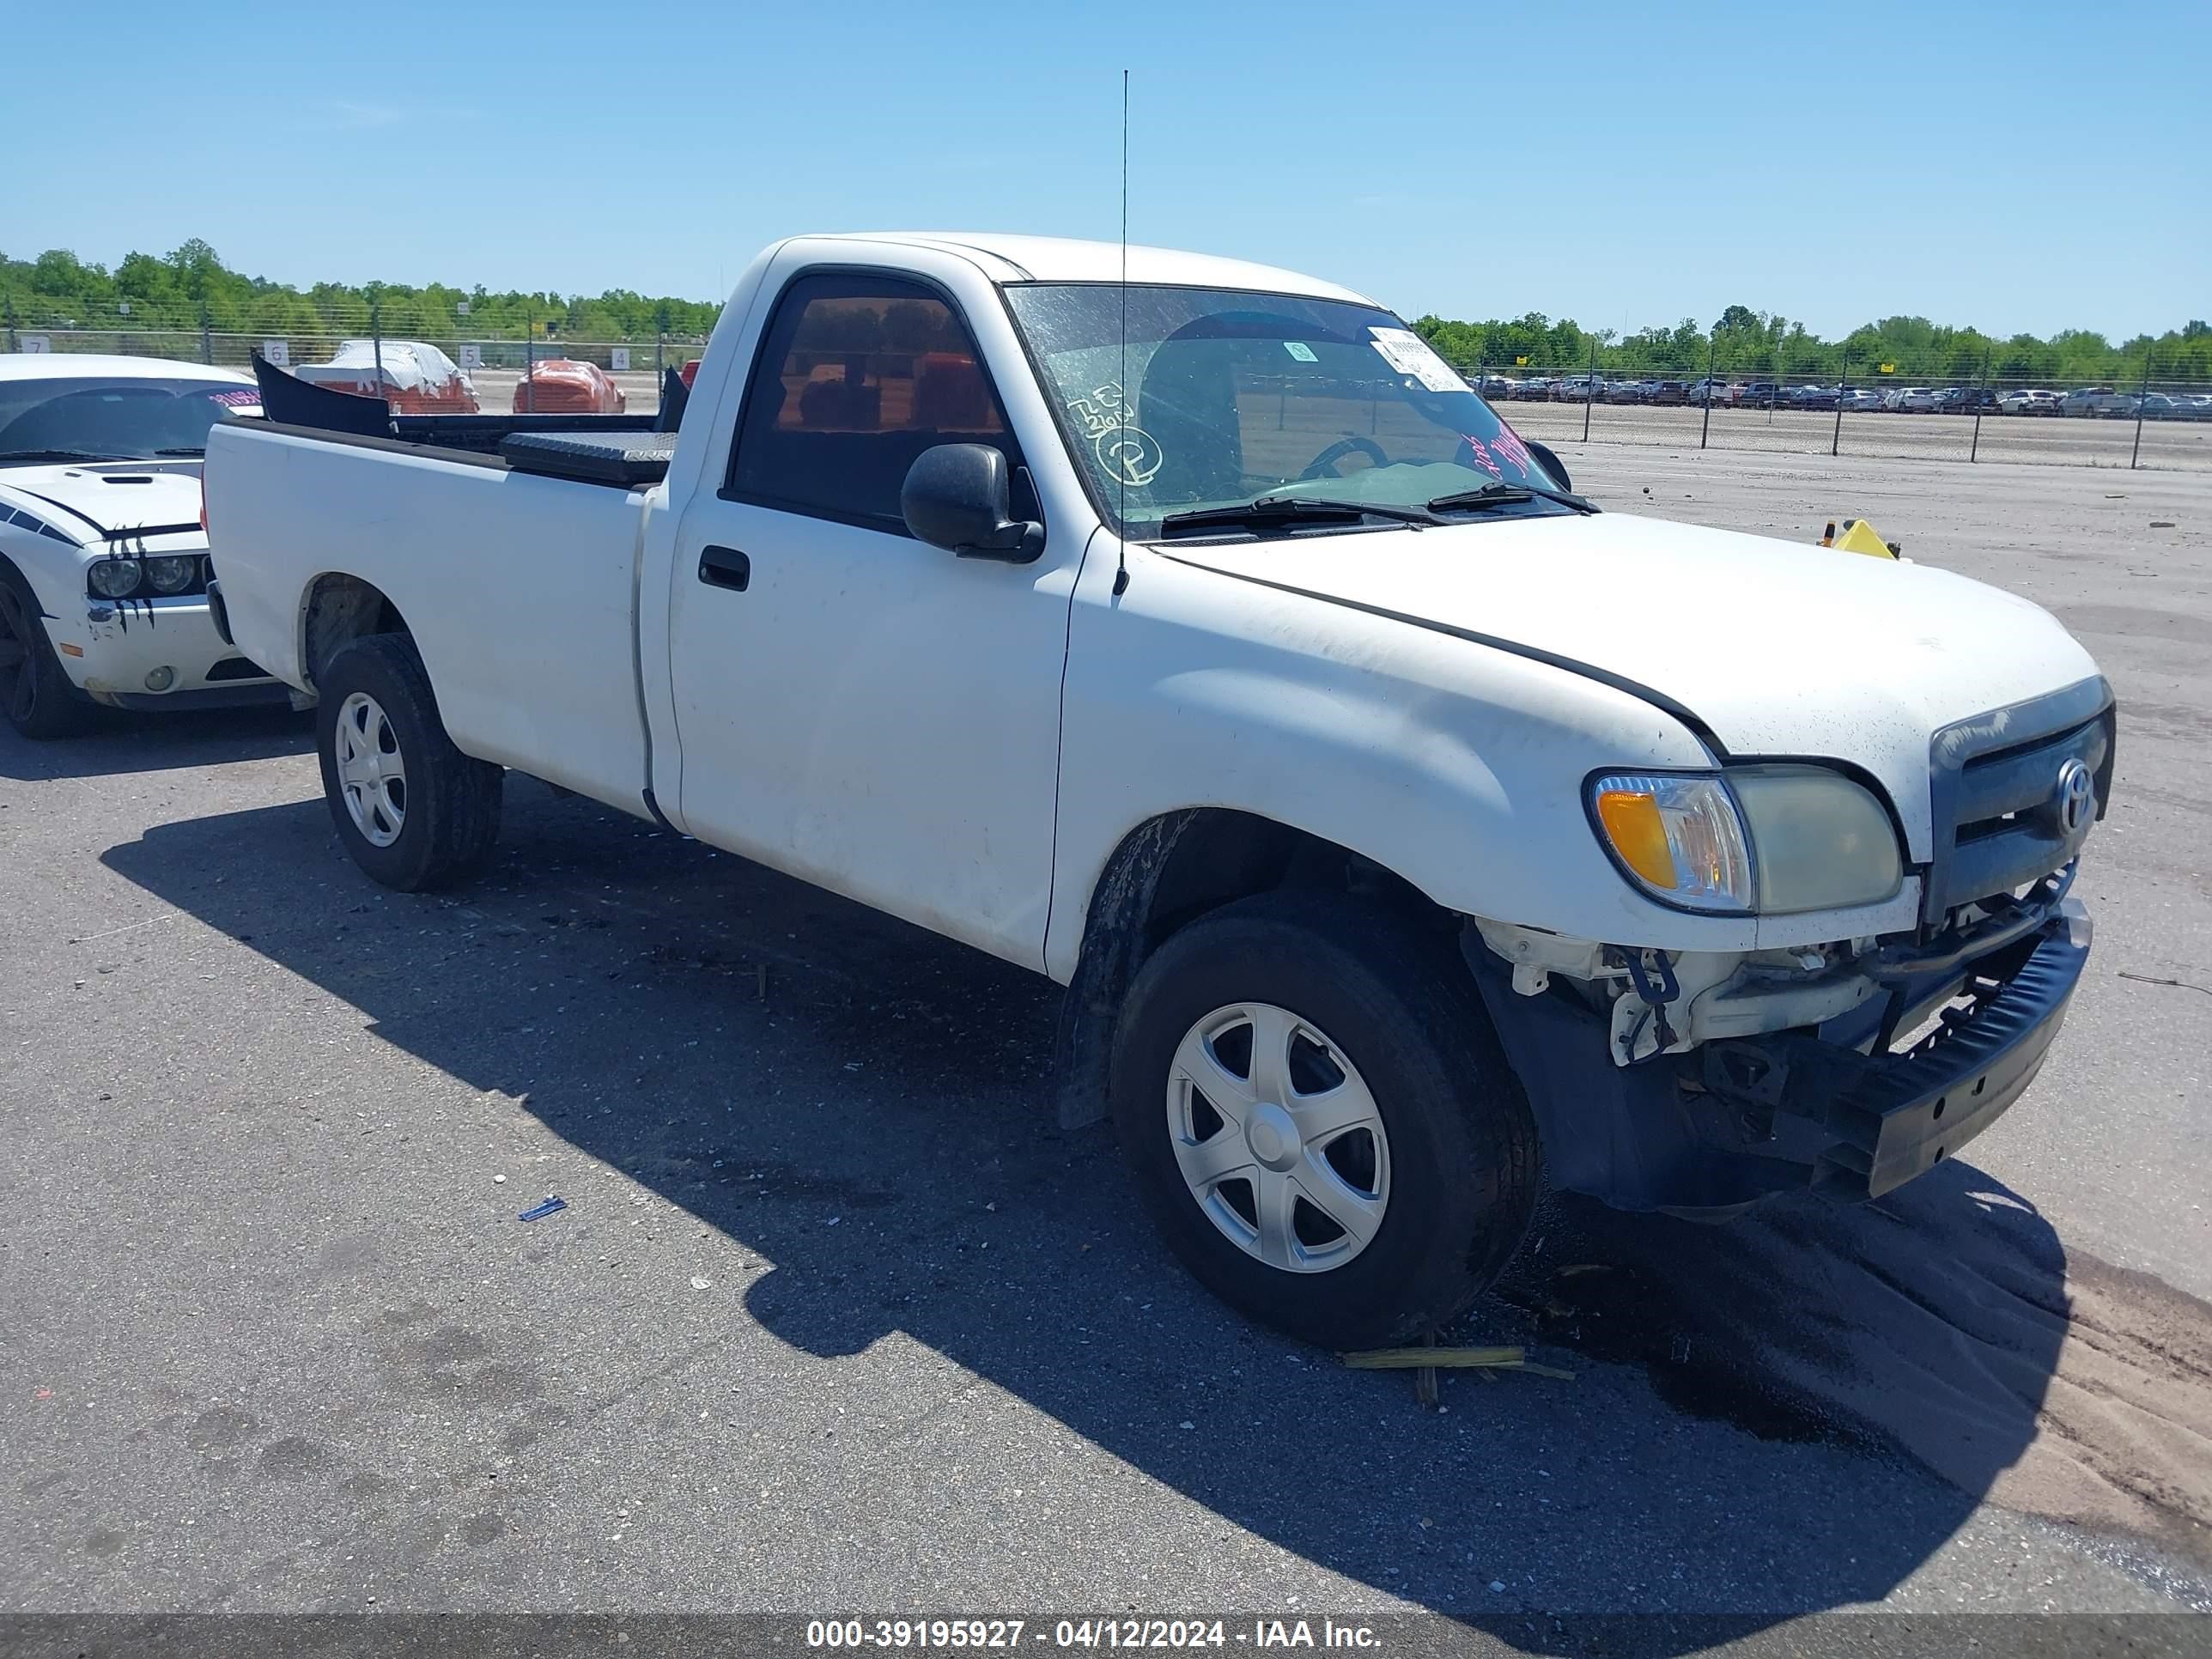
{"x":1007,"y":258}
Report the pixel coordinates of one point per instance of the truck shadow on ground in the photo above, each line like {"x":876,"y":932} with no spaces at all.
{"x":118,"y":742}
{"x":775,"y":1060}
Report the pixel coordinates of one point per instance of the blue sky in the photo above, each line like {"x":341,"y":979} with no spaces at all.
{"x":2020,"y":167}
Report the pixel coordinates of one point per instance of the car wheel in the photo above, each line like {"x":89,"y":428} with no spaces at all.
{"x":40,"y":700}
{"x":412,"y":809}
{"x":1321,"y":1121}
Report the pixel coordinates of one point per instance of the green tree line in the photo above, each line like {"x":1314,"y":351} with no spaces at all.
{"x":1743,"y":343}
{"x":192,"y":288}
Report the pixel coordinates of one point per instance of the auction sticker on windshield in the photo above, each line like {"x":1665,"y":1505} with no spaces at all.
{"x":1409,"y":354}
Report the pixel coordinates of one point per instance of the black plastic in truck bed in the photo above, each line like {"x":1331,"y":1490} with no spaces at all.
{"x":624,"y":459}
{"x":619,"y":451}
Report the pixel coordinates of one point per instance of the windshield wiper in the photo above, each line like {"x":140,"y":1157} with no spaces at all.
{"x":35,"y":456}
{"x":192,"y":449}
{"x":1501,"y":494}
{"x":1281,"y":512}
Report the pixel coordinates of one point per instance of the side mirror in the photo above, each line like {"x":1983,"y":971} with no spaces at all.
{"x":1553,"y":465}
{"x":957,"y":497}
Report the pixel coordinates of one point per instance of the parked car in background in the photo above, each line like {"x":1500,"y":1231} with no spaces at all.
{"x":1815,"y":396}
{"x":568,"y":385}
{"x":2091,"y":400}
{"x":2193,"y":406}
{"x":1759,"y":394}
{"x":1669,"y":392}
{"x":2028,"y":400}
{"x":1966,"y":400}
{"x":1495,"y":387}
{"x":1624,"y":392}
{"x":103,"y":559}
{"x":1862,"y":399}
{"x":413,"y":376}
{"x":2159,"y":406}
{"x":1717,"y":391}
{"x":1919,"y":399}
{"x":1535,"y":389}
{"x":1579,"y":388}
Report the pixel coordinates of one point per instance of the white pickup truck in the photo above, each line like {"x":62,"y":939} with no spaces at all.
{"x":1404,"y":831}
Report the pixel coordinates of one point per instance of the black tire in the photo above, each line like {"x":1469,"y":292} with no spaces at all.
{"x":1397,"y":1002}
{"x":35,"y":694}
{"x":449,"y":819}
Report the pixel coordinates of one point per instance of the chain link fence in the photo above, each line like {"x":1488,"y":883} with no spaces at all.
{"x":494,"y":360}
{"x":2160,"y":415}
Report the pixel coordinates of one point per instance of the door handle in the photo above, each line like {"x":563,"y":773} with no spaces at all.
{"x":724,"y":567}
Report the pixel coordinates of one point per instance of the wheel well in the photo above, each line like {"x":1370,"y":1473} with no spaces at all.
{"x":1166,"y":873}
{"x":1221,"y":855}
{"x":339,"y":609}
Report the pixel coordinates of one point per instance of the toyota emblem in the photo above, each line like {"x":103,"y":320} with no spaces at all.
{"x":2075,"y":798}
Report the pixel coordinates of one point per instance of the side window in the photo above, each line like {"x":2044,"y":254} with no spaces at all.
{"x":857,"y":375}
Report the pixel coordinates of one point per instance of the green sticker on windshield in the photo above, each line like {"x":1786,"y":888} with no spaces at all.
{"x":1301,"y":350}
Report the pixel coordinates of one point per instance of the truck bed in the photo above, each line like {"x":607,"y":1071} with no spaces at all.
{"x":518,"y":587}
{"x":621,"y":451}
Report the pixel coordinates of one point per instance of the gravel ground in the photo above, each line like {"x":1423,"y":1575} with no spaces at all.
{"x":836,"y":1319}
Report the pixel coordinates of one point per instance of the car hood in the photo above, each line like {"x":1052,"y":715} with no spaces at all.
{"x":1765,"y":647}
{"x":111,"y":498}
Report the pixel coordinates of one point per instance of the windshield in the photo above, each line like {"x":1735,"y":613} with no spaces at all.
{"x":113,"y":419}
{"x":1236,"y":397}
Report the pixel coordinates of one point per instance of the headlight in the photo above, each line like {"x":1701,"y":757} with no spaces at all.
{"x":172,"y":573}
{"x":115,"y":578}
{"x":1773,"y":839}
{"x":1822,"y":842}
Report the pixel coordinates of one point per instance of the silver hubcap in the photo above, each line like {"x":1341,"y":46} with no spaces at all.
{"x":1278,"y":1138}
{"x":371,"y":773}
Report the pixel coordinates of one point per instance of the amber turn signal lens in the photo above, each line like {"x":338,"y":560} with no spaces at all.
{"x":1638,"y":834}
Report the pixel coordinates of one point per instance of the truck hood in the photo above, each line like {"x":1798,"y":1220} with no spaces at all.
{"x":1765,"y":646}
{"x":113,"y":498}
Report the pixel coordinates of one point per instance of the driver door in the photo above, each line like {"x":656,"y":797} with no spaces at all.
{"x":854,"y":706}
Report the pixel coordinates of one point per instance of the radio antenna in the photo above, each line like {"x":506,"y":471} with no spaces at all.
{"x":1121,"y":453}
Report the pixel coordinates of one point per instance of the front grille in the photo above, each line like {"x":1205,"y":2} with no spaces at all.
{"x":1995,"y":785}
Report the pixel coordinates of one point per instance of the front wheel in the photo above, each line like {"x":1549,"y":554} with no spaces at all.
{"x":1321,"y":1121}
{"x":412,"y":809}
{"x":34,"y":692}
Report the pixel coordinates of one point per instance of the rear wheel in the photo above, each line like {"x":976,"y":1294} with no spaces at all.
{"x":36,"y":695}
{"x":1319,"y":1119}
{"x":412,"y":809}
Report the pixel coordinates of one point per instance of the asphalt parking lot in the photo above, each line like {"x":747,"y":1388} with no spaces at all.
{"x":836,"y":1319}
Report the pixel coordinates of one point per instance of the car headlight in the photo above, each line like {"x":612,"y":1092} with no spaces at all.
{"x":114,"y":579}
{"x":1773,"y":839}
{"x":1819,"y":840}
{"x":172,"y":573}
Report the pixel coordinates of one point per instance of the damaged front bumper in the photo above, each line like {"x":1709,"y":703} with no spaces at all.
{"x":1896,"y":1114}
{"x":1834,"y":1108}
